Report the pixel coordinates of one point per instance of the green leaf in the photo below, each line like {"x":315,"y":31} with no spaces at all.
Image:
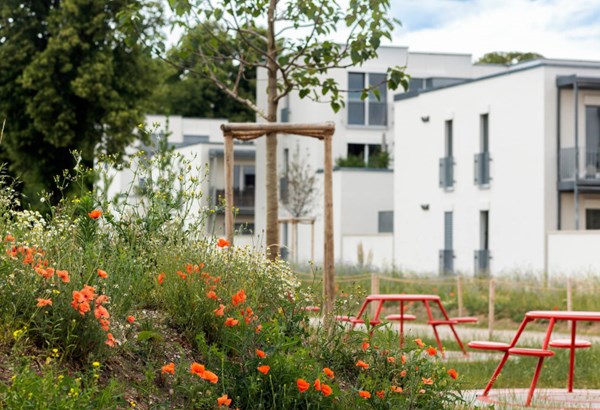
{"x":304,"y":92}
{"x":148,"y":335}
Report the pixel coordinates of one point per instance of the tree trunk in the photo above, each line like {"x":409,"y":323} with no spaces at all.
{"x":272,"y":228}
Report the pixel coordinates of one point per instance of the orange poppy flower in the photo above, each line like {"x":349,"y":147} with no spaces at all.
{"x":210,"y":376}
{"x":364,"y":394}
{"x":223,"y":401}
{"x":130,"y":319}
{"x":80,"y":303}
{"x":391,"y":359}
{"x":432,"y":351}
{"x":380,"y":394}
{"x":362,"y":364}
{"x":303,"y":385}
{"x":421,"y":391}
{"x":231,"y":322}
{"x":261,"y":354}
{"x":453,"y":373}
{"x":365,"y":346}
{"x":168,"y":368}
{"x":101,"y":313}
{"x":264,"y":369}
{"x":189,"y":268}
{"x":161,"y":278}
{"x":328,"y":372}
{"x":317,"y":385}
{"x":63,"y":275}
{"x":110,"y":340}
{"x":9,"y":238}
{"x":44,"y":302}
{"x":212,"y":295}
{"x":181,"y":274}
{"x":220,"y":311}
{"x":397,"y":389}
{"x":403,"y":373}
{"x":326,"y":390}
{"x":221,"y":243}
{"x":102,"y":274}
{"x":104,"y":324}
{"x":419,"y":343}
{"x":403,"y":359}
{"x":95,"y":214}
{"x":101,"y":299}
{"x":197,"y":369}
{"x":239,"y":297}
{"x":427,"y":381}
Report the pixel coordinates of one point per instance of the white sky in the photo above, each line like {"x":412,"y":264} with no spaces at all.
{"x":554,"y":28}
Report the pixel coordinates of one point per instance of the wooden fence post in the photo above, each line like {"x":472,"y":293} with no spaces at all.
{"x":569,"y":294}
{"x":459,"y":294}
{"x":491,"y":308}
{"x":374,"y":291}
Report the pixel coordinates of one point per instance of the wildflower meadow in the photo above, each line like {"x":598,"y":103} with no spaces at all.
{"x":127,"y":302}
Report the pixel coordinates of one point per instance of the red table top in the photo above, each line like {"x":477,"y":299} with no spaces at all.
{"x":401,"y":297}
{"x":563,"y":315}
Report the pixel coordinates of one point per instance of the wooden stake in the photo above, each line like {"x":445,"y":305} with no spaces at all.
{"x":229,"y":206}
{"x":374,"y":291}
{"x":328,"y":272}
{"x":491,"y":308}
{"x":459,"y":294}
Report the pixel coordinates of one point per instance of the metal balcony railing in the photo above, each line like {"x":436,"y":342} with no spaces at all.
{"x":446,"y":172}
{"x":446,"y":261}
{"x":482,"y":262}
{"x":241,"y":198}
{"x":589,"y":164}
{"x":482,"y":168}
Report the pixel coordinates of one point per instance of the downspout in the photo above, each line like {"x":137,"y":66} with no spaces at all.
{"x":576,"y":190}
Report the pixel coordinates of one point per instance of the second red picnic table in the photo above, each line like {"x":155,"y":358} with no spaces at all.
{"x":427,"y":300}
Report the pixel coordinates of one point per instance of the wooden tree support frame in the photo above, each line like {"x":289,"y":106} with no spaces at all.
{"x":323,"y":131}
{"x":294,"y":222}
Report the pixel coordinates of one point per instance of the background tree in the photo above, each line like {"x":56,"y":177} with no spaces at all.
{"x":507,"y":58}
{"x":69,"y":79}
{"x":293,"y":64}
{"x":301,"y":185}
{"x":181,"y":91}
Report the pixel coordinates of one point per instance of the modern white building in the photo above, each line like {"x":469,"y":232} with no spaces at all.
{"x":363,"y":197}
{"x":200,"y":141}
{"x":500,"y":173}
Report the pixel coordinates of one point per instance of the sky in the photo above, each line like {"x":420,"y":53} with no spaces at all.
{"x":554,"y":28}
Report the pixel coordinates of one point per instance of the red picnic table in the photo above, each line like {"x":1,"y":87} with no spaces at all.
{"x":402,"y":316}
{"x":552,"y":316}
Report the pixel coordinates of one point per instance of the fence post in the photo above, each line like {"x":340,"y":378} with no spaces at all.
{"x":569,"y":295}
{"x":374,"y":290}
{"x":459,"y":294}
{"x":491,"y":308}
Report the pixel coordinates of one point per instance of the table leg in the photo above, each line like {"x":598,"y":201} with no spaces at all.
{"x":401,"y":324}
{"x":536,"y":375}
{"x":435,"y":332}
{"x":488,"y":387}
{"x":361,"y":311}
{"x":572,"y":358}
{"x":452,"y":328}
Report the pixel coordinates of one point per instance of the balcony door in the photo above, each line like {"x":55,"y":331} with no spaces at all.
{"x":592,"y":141}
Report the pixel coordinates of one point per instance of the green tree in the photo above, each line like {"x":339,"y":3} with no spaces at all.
{"x":69,"y":80}
{"x":293,"y":64}
{"x":184,"y":91}
{"x":507,"y":58}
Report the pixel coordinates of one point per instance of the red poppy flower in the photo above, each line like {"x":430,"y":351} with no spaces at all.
{"x":326,"y":390}
{"x":221,"y":243}
{"x":419,"y":343}
{"x":210,"y":376}
{"x":329,"y":372}
{"x":239,"y":297}
{"x":364,"y":394}
{"x":397,"y":389}
{"x":231,"y":322}
{"x":104,"y":324}
{"x":44,"y":302}
{"x":95,"y":214}
{"x":380,"y":394}
{"x":101,"y":313}
{"x":261,"y":354}
{"x":197,"y":369}
{"x":212,"y":295}
{"x":220,"y":311}
{"x":453,"y":373}
{"x":317,"y":385}
{"x":303,"y":385}
{"x":432,"y":351}
{"x":391,"y":359}
{"x":362,"y":364}
{"x":223,"y":401}
{"x":110,"y":340}
{"x":102,"y":274}
{"x":264,"y":369}
{"x":365,"y":346}
{"x":427,"y":381}
{"x":161,"y":278}
{"x":130,"y":319}
{"x":168,"y":368}
{"x":63,"y":275}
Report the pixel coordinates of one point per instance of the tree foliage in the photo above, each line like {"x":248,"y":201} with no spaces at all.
{"x":507,"y":58}
{"x":69,"y":80}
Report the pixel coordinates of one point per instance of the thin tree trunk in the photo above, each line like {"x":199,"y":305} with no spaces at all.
{"x":272,"y":228}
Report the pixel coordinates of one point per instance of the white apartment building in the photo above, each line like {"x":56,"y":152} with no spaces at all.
{"x":363,"y":197}
{"x":500,"y":173}
{"x":201,"y":141}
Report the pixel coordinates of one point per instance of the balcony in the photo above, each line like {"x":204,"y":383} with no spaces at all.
{"x":482,"y":169}
{"x":242,"y":199}
{"x":579,"y":166}
{"x":482,"y":262}
{"x":446,"y":261}
{"x":447,"y":172}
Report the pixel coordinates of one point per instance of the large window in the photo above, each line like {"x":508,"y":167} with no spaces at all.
{"x":592,"y":219}
{"x":372,"y":111}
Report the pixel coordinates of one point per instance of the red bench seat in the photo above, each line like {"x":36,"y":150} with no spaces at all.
{"x":397,"y":316}
{"x":485,"y":345}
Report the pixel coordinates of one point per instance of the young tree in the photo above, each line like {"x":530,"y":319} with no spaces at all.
{"x":301,"y":186}
{"x":295,"y":49}
{"x":68,"y":81}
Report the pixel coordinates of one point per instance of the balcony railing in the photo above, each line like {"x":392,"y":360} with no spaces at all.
{"x":243,"y":199}
{"x":482,"y":262}
{"x":446,"y":261}
{"x":482,"y":168}
{"x":446,"y":172}
{"x":589,"y":164}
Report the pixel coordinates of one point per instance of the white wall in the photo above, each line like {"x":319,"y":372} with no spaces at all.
{"x":378,"y":250}
{"x":573,"y":252}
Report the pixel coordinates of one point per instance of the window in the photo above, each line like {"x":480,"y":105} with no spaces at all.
{"x":386,"y":221}
{"x":592,"y":141}
{"x":482,"y":159}
{"x":447,"y":162}
{"x":592,"y":219}
{"x":448,"y":138}
{"x":372,"y":111}
{"x":365,"y":155}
